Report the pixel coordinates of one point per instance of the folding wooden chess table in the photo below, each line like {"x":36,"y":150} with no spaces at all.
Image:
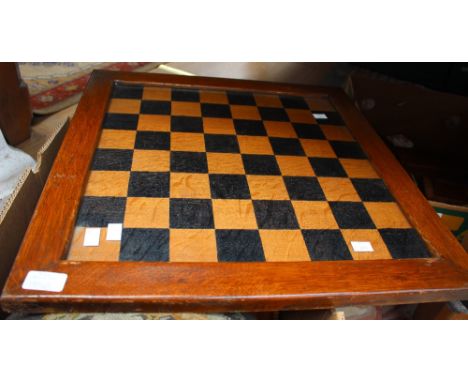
{"x":175,"y":193}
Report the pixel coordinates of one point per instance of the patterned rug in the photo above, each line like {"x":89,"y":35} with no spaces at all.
{"x":132,"y":316}
{"x":56,"y":85}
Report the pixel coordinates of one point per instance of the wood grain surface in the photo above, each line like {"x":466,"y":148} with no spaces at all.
{"x":133,"y":286}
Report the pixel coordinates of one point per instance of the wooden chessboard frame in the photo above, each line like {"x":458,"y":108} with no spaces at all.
{"x":147,"y":286}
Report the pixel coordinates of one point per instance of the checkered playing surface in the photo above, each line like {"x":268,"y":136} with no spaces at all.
{"x":208,"y":176}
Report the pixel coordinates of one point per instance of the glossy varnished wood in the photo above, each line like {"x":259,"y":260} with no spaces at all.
{"x":224,"y":287}
{"x":241,"y":286}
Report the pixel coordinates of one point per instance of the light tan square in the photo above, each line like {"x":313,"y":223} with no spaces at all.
{"x":107,"y":250}
{"x":386,"y":215}
{"x":279,"y":129}
{"x":373,"y":236}
{"x":300,"y":116}
{"x":150,"y":160}
{"x":234,"y":214}
{"x":254,"y":145}
{"x":218,"y":126}
{"x":320,"y":104}
{"x":294,"y":165}
{"x":124,"y":106}
{"x":317,"y":148}
{"x":207,"y":96}
{"x":147,"y":213}
{"x":266,"y":187}
{"x":107,"y":183}
{"x":188,"y":185}
{"x":284,"y":245}
{"x":117,"y":139}
{"x":156,"y":93}
{"x":268,"y":100}
{"x":192,"y":245}
{"x":358,"y":168}
{"x":187,"y":142}
{"x":149,"y":122}
{"x":245,"y":112}
{"x":336,"y":133}
{"x":314,"y":215}
{"x":221,"y":163}
{"x":190,"y":109}
{"x":338,"y":190}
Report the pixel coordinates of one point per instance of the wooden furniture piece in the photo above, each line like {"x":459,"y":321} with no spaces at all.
{"x":234,"y":196}
{"x":15,"y":106}
{"x":433,"y":124}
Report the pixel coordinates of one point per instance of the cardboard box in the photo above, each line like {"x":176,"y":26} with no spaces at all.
{"x":19,"y":207}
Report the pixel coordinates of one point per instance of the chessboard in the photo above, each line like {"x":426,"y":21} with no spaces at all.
{"x":183,"y":174}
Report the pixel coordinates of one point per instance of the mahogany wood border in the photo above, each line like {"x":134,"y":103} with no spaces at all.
{"x":133,"y":286}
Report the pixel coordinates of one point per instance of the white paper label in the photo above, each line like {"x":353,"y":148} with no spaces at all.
{"x":362,"y":246}
{"x":45,"y":281}
{"x":114,"y":231}
{"x":91,"y":237}
{"x":319,"y":116}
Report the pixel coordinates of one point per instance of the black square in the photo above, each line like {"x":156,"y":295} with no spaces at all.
{"x":372,"y":190}
{"x":239,"y":245}
{"x":100,"y":211}
{"x":275,"y":214}
{"x":326,"y":244}
{"x":120,"y":121}
{"x":292,"y":102}
{"x":327,"y":167}
{"x":220,"y":143}
{"x":249,"y":127}
{"x":188,"y":95}
{"x":188,"y":162}
{"x":404,"y":243}
{"x":333,"y":118}
{"x":149,"y":184}
{"x":286,"y":146}
{"x":144,"y":244}
{"x":127,"y":91}
{"x":260,"y":164}
{"x":191,"y":213}
{"x":241,"y":98}
{"x":112,"y":160}
{"x":350,"y":215}
{"x":273,"y":114}
{"x":215,"y":110}
{"x":347,"y":150}
{"x":306,"y":130}
{"x":303,"y":188}
{"x":155,"y":107}
{"x":187,"y":124}
{"x":229,"y":187}
{"x":153,"y":140}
